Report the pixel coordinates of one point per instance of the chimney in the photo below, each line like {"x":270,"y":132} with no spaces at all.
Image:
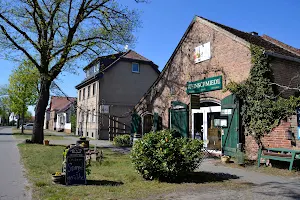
{"x":254,"y":33}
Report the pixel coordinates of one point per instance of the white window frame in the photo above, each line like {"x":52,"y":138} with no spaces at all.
{"x":138,"y":68}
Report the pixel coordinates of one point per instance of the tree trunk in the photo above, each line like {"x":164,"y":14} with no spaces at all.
{"x":23,"y":120}
{"x":38,"y":128}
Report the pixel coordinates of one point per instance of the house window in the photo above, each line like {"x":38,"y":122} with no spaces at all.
{"x":93,"y":116}
{"x":82,"y":116}
{"x":89,"y":88}
{"x":67,"y":117}
{"x":87,"y":134}
{"x":83,"y":93}
{"x":87,"y":116}
{"x":135,"y":68}
{"x":79,"y":95}
{"x":92,"y":134}
{"x":94,"y":88}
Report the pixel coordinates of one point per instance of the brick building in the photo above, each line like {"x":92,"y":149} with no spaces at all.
{"x":188,"y":95}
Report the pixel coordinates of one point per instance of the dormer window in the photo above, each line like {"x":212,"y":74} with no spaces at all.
{"x":135,"y":68}
{"x":92,"y":71}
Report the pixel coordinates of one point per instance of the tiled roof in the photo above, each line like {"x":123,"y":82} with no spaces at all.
{"x":107,"y":61}
{"x":255,"y":39}
{"x":58,"y":103}
{"x":135,"y":56}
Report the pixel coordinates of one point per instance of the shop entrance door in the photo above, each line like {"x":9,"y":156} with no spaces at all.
{"x":231,"y":134}
{"x":203,"y":126}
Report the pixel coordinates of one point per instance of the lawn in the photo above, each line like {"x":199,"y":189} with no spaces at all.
{"x":115,"y":178}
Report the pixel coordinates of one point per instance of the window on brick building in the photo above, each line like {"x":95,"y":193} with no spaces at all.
{"x":94,"y":89}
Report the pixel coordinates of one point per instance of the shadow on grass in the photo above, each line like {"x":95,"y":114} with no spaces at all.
{"x":103,"y":183}
{"x":204,"y":177}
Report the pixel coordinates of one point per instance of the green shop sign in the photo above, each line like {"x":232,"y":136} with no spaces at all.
{"x":205,"y":85}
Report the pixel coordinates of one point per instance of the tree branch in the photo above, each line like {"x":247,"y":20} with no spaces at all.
{"x":19,"y":47}
{"x":20,"y":31}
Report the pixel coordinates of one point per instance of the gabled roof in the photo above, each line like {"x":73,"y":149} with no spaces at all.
{"x":57,"y":103}
{"x":244,"y":36}
{"x":255,"y":39}
{"x":107,"y":62}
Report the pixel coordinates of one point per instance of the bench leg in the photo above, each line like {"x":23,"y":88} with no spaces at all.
{"x":292,"y":161}
{"x":258,"y":157}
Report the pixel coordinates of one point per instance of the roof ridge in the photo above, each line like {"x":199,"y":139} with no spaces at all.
{"x":254,"y":39}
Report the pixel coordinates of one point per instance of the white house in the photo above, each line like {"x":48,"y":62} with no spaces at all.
{"x":63,"y":122}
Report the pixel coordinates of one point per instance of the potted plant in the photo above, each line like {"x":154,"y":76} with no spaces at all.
{"x":46,"y":142}
{"x":58,"y":177}
{"x":225,"y":159}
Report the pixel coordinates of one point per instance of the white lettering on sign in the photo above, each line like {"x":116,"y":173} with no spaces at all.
{"x":204,"y":84}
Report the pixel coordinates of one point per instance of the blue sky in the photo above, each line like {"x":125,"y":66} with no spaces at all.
{"x":165,"y":21}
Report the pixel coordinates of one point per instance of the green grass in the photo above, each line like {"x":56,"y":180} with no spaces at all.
{"x":115,"y":177}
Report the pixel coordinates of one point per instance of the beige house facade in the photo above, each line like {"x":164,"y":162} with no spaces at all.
{"x":188,"y":95}
{"x":113,"y":86}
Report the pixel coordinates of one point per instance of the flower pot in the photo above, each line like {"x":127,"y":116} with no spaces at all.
{"x":46,"y":142}
{"x":225,"y":159}
{"x":58,"y":179}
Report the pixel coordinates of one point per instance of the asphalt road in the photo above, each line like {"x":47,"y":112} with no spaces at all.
{"x":12,"y":181}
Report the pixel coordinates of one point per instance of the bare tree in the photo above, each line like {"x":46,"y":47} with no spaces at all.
{"x":53,"y":34}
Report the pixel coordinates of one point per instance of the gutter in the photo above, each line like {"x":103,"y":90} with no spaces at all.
{"x":277,"y":55}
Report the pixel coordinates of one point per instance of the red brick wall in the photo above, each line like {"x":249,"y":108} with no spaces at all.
{"x":286,"y":73}
{"x":278,"y":138}
{"x":230,"y":57}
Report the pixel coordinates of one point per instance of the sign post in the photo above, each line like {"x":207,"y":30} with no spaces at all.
{"x":75,"y":166}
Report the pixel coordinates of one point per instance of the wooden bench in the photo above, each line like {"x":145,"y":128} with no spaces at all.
{"x":281,"y":154}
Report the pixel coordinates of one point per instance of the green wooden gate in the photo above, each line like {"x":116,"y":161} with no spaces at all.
{"x":231,"y":133}
{"x":179,"y":118}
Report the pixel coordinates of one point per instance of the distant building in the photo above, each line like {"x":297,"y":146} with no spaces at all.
{"x":59,"y":105}
{"x":106,"y":97}
{"x":13,"y":117}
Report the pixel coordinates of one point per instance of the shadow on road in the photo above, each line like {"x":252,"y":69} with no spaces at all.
{"x":205,"y":177}
{"x":2,"y":134}
{"x":290,"y":190}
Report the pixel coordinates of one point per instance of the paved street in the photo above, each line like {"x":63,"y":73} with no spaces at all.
{"x":262,"y":186}
{"x":12,"y":181}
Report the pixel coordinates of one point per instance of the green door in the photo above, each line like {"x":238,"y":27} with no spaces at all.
{"x":179,"y":118}
{"x":231,"y":133}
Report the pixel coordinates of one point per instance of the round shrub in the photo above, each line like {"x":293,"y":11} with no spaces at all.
{"x":122,"y":140}
{"x":159,"y":155}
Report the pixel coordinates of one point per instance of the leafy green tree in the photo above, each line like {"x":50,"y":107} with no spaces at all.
{"x":23,"y":89}
{"x":262,"y":106}
{"x":5,"y":105}
{"x":54,"y":34}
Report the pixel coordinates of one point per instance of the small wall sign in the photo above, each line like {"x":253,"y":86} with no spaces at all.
{"x":202,"y":53}
{"x":75,"y":166}
{"x":104,"y":109}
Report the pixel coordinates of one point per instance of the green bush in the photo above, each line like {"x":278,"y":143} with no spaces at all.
{"x":159,"y":155}
{"x":122,"y":140}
